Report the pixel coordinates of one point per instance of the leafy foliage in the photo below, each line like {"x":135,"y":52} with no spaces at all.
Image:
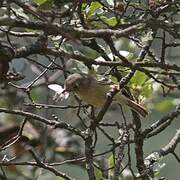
{"x":132,"y":43}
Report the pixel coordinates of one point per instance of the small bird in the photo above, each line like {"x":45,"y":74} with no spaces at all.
{"x":93,"y":91}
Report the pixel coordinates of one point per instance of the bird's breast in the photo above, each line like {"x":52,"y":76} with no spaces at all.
{"x":94,"y":96}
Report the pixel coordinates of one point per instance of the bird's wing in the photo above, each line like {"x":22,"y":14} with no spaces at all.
{"x":105,"y":81}
{"x":126,"y":93}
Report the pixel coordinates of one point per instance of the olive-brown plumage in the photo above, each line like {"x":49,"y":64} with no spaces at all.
{"x":94,"y":92}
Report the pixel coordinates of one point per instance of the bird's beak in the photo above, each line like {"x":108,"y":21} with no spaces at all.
{"x":64,"y":91}
{"x":64,"y":94}
{"x":61,"y":96}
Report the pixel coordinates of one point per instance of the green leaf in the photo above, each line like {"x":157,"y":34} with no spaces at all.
{"x":111,"y":165}
{"x":128,"y":55}
{"x":68,"y":48}
{"x":147,"y":90}
{"x":59,"y":178}
{"x":40,"y":2}
{"x":146,"y":37}
{"x":83,"y":6}
{"x":80,"y":67}
{"x":36,"y":93}
{"x":111,"y":161}
{"x":138,"y":79}
{"x":141,"y":85}
{"x":164,"y":105}
{"x":98,"y":173}
{"x":113,"y":79}
{"x":109,"y":21}
{"x":92,"y":10}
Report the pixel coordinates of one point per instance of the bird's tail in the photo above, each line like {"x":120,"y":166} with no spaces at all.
{"x":136,"y":107}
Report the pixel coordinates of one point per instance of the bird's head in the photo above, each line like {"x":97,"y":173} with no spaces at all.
{"x":76,"y":81}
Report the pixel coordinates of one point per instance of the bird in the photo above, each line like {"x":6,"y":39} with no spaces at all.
{"x":94,"y":91}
